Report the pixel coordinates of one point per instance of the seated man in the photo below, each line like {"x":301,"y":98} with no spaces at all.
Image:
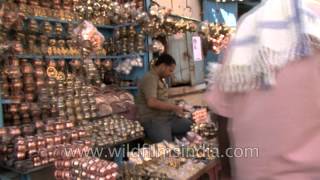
{"x":157,"y":115}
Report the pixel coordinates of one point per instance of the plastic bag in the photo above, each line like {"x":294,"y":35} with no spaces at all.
{"x":89,"y":39}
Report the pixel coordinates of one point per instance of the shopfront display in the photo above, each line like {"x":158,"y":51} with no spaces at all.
{"x":51,"y":80}
{"x":170,"y":160}
{"x":71,"y":165}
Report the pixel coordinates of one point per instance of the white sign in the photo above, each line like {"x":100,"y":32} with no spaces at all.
{"x":197,"y":49}
{"x":229,"y":18}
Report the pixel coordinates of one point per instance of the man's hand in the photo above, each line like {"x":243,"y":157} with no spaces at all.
{"x":157,"y":104}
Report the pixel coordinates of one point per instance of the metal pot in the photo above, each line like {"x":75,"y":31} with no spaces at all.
{"x":45,"y":3}
{"x":30,"y":97}
{"x":59,"y":125}
{"x":58,"y":139}
{"x":27,"y":130}
{"x":33,"y":25}
{"x":47,"y":27}
{"x":27,"y":69}
{"x":17,"y":85}
{"x":74,"y":135}
{"x":13,"y":108}
{"x":75,"y":64}
{"x":29,"y":88}
{"x":59,"y":29}
{"x":14,"y":72}
{"x":28,"y":79}
{"x":3,"y":132}
{"x":38,"y":62}
{"x":52,"y":82}
{"x":39,"y":124}
{"x":39,"y":71}
{"x":52,"y":63}
{"x":40,"y":82}
{"x":49,"y":138}
{"x":17,"y":98}
{"x":61,"y":63}
{"x":14,"y":131}
{"x":24,"y":107}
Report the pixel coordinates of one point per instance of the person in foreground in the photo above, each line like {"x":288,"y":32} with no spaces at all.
{"x":268,"y":85}
{"x":157,"y":114}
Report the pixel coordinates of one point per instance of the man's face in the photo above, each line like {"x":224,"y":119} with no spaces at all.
{"x":167,"y":70}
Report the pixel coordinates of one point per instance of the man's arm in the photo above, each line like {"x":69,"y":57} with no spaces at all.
{"x":157,"y":104}
{"x":149,"y":87}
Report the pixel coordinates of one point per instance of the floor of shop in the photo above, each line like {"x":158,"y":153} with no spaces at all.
{"x":39,"y":175}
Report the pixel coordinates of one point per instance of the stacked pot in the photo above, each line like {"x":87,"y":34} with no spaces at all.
{"x":16,"y":90}
{"x":125,"y":40}
{"x":205,"y":130}
{"x":21,"y":84}
{"x":113,"y":130}
{"x":73,"y":162}
{"x":23,"y":150}
{"x":92,"y":73}
{"x":42,"y":89}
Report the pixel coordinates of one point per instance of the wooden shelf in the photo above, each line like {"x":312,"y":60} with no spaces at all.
{"x":9,"y":101}
{"x":184,"y":17}
{"x":53,"y":20}
{"x":130,"y":88}
{"x":33,"y":56}
{"x":42,"y":18}
{"x":26,"y":171}
{"x":30,"y":56}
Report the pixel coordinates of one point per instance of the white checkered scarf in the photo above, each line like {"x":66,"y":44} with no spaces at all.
{"x":269,"y":37}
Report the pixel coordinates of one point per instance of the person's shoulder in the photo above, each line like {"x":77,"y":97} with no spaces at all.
{"x":150,"y":76}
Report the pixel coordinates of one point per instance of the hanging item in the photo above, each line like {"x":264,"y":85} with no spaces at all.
{"x":127,"y":66}
{"x":100,"y":11}
{"x":157,"y":47}
{"x":218,"y":35}
{"x":88,"y":38}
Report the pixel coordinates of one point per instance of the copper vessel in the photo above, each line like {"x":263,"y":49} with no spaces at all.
{"x":27,"y":69}
{"x":24,"y":107}
{"x":38,"y":62}
{"x":13,"y":108}
{"x":28,"y":130}
{"x":33,"y":25}
{"x":39,"y":71}
{"x":47,"y":27}
{"x":52,"y":63}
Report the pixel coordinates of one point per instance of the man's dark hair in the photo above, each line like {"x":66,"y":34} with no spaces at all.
{"x":165,"y":59}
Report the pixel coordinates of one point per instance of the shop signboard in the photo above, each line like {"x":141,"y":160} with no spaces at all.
{"x":197,"y":49}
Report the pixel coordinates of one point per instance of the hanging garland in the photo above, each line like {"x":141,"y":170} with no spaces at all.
{"x":218,"y":35}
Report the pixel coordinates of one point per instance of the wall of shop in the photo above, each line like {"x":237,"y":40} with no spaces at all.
{"x":188,"y":72}
{"x":189,"y":8}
